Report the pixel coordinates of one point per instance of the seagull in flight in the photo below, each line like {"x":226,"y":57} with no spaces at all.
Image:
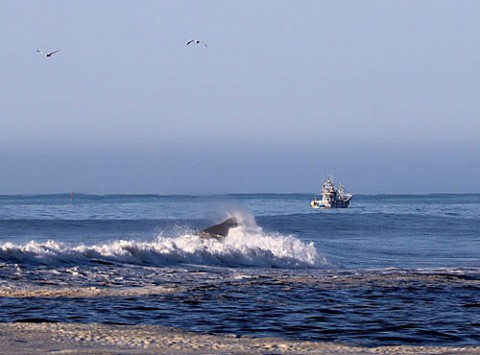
{"x":196,"y":41}
{"x":47,"y":54}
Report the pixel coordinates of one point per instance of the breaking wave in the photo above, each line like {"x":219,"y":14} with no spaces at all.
{"x":245,"y":245}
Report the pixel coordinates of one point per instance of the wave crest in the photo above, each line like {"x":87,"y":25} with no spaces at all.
{"x":245,"y":245}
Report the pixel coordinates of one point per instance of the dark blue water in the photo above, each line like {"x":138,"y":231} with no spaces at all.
{"x":388,"y":270}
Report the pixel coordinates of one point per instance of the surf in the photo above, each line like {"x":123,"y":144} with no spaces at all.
{"x":236,"y":242}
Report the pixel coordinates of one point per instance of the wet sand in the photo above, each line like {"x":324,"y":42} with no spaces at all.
{"x":66,"y":338}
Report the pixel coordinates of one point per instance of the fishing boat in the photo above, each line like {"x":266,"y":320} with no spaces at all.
{"x":332,"y":196}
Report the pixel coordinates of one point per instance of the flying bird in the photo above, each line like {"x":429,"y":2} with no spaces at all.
{"x":47,"y":54}
{"x":196,"y":41}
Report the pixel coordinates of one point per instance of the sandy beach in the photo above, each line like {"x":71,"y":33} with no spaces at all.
{"x":65,"y":338}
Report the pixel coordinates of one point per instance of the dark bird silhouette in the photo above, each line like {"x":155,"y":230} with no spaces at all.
{"x":196,"y":41}
{"x":47,"y":54}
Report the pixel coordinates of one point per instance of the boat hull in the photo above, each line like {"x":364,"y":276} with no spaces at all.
{"x":333,"y":204}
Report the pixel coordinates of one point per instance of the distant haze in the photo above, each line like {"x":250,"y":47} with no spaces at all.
{"x":381,"y":95}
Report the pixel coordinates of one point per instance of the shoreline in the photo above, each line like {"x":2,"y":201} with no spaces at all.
{"x":68,"y":338}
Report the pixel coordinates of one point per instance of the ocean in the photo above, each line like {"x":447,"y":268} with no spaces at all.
{"x":389,"y":270}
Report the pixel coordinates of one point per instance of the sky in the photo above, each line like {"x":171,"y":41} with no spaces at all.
{"x":383,"y":95}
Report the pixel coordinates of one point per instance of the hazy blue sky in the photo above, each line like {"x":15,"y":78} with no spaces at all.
{"x":384,"y":95}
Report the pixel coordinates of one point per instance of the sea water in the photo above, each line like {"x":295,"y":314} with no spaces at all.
{"x":389,"y":270}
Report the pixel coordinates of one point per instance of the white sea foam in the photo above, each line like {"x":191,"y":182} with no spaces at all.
{"x":245,"y":245}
